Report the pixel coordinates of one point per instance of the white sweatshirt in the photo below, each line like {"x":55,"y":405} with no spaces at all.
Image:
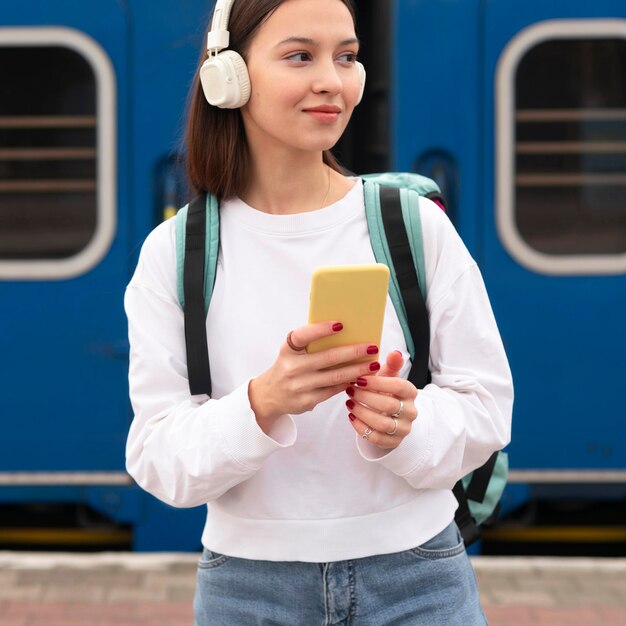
{"x":312,"y":490}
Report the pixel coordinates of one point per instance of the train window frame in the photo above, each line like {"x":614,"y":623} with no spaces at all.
{"x":106,"y":141}
{"x":505,"y":166}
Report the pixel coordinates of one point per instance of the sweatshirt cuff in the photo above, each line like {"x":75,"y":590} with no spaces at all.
{"x":410,"y":455}
{"x":241,"y":434}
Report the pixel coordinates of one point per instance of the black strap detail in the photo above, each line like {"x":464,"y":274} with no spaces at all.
{"x":193,"y":288}
{"x":419,"y":326}
{"x":463,"y":518}
{"x":417,"y":315}
{"x":477,"y":487}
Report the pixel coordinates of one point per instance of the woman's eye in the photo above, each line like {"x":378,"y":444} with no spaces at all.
{"x":299,"y":57}
{"x":348,"y":57}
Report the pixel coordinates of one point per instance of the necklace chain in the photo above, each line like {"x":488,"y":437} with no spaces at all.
{"x":327,"y":189}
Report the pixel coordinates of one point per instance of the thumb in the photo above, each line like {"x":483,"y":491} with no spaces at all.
{"x":393,"y":365}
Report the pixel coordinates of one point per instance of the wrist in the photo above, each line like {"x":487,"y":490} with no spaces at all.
{"x":261,"y":404}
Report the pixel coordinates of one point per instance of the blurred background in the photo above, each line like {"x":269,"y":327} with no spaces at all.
{"x":516,"y":108}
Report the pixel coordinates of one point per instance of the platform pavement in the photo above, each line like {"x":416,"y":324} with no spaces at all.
{"x":157,"y":589}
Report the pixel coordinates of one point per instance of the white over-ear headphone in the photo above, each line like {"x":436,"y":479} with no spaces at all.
{"x":361,"y":70}
{"x":224,"y":75}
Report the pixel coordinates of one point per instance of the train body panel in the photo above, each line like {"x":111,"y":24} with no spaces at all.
{"x":463,"y":107}
{"x":66,"y":379}
{"x":564,"y":333}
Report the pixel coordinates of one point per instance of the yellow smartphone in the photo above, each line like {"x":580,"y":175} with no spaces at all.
{"x":354,"y":295}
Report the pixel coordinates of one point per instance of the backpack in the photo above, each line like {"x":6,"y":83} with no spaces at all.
{"x":393,"y":217}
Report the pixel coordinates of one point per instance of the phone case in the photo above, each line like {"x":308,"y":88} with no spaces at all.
{"x":354,"y":295}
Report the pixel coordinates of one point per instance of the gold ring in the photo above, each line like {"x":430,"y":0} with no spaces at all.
{"x":292,"y":345}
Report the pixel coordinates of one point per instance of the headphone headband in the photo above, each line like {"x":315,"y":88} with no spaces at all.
{"x":219,"y":37}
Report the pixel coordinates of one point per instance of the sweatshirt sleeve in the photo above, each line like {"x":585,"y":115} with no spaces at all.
{"x":464,"y":415}
{"x":185,"y":450}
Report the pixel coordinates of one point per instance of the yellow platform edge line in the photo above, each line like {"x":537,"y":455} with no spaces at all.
{"x":594,"y":534}
{"x":64,"y":535}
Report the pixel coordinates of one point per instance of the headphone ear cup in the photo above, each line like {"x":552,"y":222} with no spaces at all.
{"x":225,"y":80}
{"x":362,"y":75}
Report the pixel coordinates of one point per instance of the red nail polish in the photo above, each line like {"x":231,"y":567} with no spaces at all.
{"x":350,"y":391}
{"x":372,"y":350}
{"x":361,"y":382}
{"x":337,"y":327}
{"x":350,"y":404}
{"x":375,"y":366}
{"x":352,"y":417}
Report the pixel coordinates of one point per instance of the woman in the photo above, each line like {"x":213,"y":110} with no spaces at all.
{"x":323,"y":508}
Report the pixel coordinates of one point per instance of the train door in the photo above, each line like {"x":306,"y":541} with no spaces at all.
{"x":553,"y":236}
{"x":64,"y":258}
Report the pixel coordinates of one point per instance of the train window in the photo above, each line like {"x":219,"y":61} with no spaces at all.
{"x":561,"y":137}
{"x":57,"y":138}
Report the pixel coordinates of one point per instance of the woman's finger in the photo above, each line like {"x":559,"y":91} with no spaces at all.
{"x":383,"y":403}
{"x":393,"y":364}
{"x":341,"y":375}
{"x":301,"y":337}
{"x":297,"y":340}
{"x":394,"y":386}
{"x":379,"y":421}
{"x":378,"y":438}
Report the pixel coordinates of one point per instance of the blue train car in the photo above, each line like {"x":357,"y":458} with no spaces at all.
{"x":91,"y":106}
{"x":518,"y":109}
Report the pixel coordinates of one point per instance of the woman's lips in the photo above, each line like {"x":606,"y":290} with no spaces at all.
{"x":325,"y":114}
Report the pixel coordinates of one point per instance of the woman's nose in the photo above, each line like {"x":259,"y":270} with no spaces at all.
{"x":327,"y":79}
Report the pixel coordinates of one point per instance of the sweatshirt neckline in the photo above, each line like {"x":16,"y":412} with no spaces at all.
{"x":236,"y":210}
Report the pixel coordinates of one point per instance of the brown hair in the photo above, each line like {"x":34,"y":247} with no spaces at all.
{"x":217,"y":155}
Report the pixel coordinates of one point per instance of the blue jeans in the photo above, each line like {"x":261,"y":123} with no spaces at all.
{"x":433,"y":584}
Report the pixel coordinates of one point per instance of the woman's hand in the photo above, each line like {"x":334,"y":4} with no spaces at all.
{"x":382,"y":408}
{"x":297,"y":381}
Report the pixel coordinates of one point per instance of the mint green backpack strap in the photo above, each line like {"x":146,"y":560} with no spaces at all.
{"x":422,"y":186}
{"x":211,"y":248}
{"x":412,"y":221}
{"x":408,"y":180}
{"x":484,"y":509}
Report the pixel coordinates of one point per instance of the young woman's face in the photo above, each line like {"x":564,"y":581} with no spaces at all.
{"x":304,"y":80}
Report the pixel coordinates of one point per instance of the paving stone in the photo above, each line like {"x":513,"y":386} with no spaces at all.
{"x":170,"y":579}
{"x":135,"y":595}
{"x":37,"y":609}
{"x":95,"y":611}
{"x":563,"y":585}
{"x":524,"y":598}
{"x":613,"y":615}
{"x":74,"y":592}
{"x":33,"y":578}
{"x":180,"y":594}
{"x":7,"y":577}
{"x":509,"y":616}
{"x":21,"y":593}
{"x":184,"y":568}
{"x":165,"y":610}
{"x":65,"y":621}
{"x":589,"y":598}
